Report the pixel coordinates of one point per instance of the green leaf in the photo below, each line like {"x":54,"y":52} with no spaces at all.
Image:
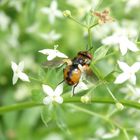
{"x":37,"y":95}
{"x":47,"y":114}
{"x":110,"y":77}
{"x":60,"y":120}
{"x":42,"y":74}
{"x":100,"y":52}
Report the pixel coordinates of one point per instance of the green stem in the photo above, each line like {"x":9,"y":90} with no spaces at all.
{"x":18,"y":106}
{"x":112,"y":113}
{"x":131,"y":104}
{"x":97,"y":72}
{"x":75,"y":99}
{"x":89,"y":38}
{"x":34,"y":79}
{"x":126,"y":134}
{"x":89,"y":35}
{"x":93,"y":25}
{"x":109,"y":91}
{"x":73,"y":19}
{"x":103,"y":118}
{"x":89,"y":112}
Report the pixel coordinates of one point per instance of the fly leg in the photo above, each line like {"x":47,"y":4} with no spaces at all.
{"x":61,"y":82}
{"x":74,"y":88}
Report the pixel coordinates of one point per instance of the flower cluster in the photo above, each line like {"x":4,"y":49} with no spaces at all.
{"x":18,"y":72}
{"x":52,"y":53}
{"x":121,"y":40}
{"x":53,"y":95}
{"x":52,"y":12}
{"x":103,"y":17}
{"x":128,"y":72}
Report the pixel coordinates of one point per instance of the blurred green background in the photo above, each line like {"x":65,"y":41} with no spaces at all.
{"x":21,"y":26}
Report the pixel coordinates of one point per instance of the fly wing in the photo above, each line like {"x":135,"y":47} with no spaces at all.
{"x":90,"y":75}
{"x":55,"y":63}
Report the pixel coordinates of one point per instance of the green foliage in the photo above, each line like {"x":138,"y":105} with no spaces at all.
{"x":21,"y":26}
{"x":37,"y":96}
{"x":110,"y":77}
{"x":100,"y":53}
{"x":47,"y":114}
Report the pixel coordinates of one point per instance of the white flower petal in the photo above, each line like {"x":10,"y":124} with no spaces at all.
{"x":123,"y":66}
{"x":121,"y":78}
{"x":52,"y":53}
{"x":14,"y":66}
{"x":15,"y":78}
{"x":59,"y":89}
{"x":51,"y":36}
{"x":62,"y":55}
{"x":111,"y":135}
{"x":135,"y":67}
{"x":133,"y":79}
{"x":45,"y":10}
{"x":52,"y":11}
{"x":47,"y":100}
{"x":132,"y":46}
{"x":54,"y":5}
{"x":48,"y":90}
{"x":111,"y":40}
{"x":21,"y":65}
{"x":47,"y":51}
{"x":55,"y":36}
{"x":135,"y":138}
{"x":81,"y":86}
{"x":59,"y":14}
{"x":45,"y":37}
{"x":52,"y":18}
{"x":23,"y":76}
{"x":123,"y":47}
{"x":59,"y":99}
{"x":51,"y":57}
{"x":4,"y":21}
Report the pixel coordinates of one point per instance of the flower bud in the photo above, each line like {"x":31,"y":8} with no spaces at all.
{"x":119,"y":106}
{"x":67,"y":13}
{"x":85,"y":99}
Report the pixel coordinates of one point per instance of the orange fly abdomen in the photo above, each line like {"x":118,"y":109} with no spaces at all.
{"x":72,"y":75}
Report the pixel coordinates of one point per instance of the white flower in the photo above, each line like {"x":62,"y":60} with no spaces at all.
{"x":52,"y":12}
{"x":114,"y":133}
{"x":84,"y":6}
{"x":132,"y":4}
{"x":13,"y":36}
{"x":132,"y":92}
{"x":18,"y":72}
{"x":53,"y":95}
{"x":51,"y":36}
{"x":4,"y":21}
{"x":81,"y":86}
{"x":52,"y":53}
{"x":123,"y":42}
{"x":16,"y":4}
{"x":135,"y":138}
{"x":128,"y":72}
{"x":32,"y":28}
{"x":22,"y":92}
